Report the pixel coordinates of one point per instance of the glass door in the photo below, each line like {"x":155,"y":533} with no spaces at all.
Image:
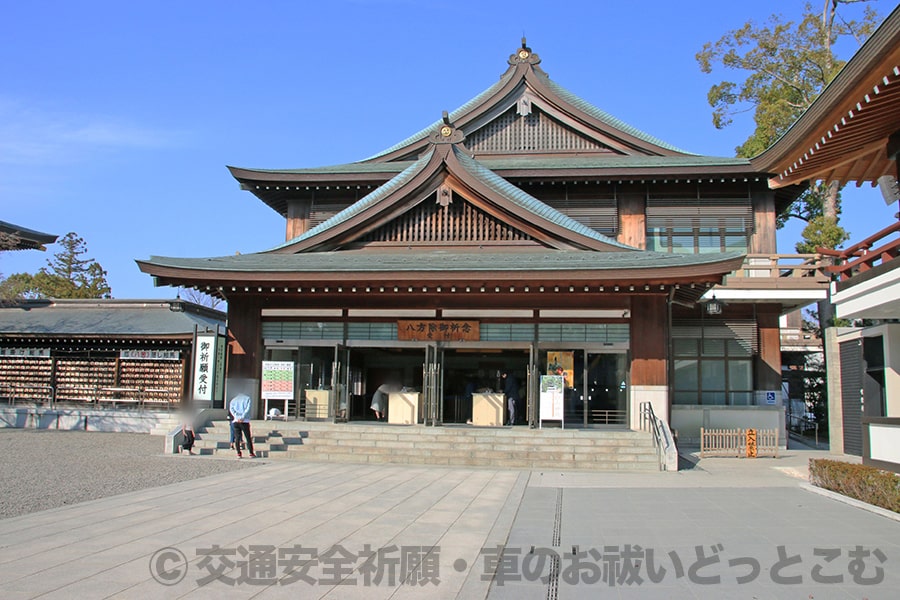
{"x":595,"y":384}
{"x":606,"y":401}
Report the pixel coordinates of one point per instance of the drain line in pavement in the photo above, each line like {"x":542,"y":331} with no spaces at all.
{"x":553,"y":578}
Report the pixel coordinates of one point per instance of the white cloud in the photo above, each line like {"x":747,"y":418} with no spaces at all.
{"x":32,"y":136}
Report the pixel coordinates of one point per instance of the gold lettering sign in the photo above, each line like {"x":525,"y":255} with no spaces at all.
{"x":751,"y":443}
{"x":438,"y":331}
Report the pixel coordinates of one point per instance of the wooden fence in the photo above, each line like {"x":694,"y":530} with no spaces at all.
{"x":738,"y":442}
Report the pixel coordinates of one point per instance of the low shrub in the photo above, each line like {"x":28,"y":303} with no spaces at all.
{"x":868,"y":484}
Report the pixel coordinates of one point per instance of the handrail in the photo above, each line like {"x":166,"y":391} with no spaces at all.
{"x":662,"y":437}
{"x":861,"y":257}
{"x":861,"y":248}
{"x":792,"y":418}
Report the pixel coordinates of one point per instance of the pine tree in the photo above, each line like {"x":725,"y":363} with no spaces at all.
{"x":67,"y":275}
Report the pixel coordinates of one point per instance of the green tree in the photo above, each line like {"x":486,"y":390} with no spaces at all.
{"x":67,"y":275}
{"x":785,"y":65}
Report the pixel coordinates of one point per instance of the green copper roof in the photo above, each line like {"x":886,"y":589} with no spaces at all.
{"x":611,"y":163}
{"x":371,"y":199}
{"x":602,"y":116}
{"x":346,"y":168}
{"x":562,"y":92}
{"x":107,"y":317}
{"x":415,"y":260}
{"x":504,"y":79}
{"x":499,"y":185}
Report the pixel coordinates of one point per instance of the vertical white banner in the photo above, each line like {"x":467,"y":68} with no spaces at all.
{"x":204,"y":365}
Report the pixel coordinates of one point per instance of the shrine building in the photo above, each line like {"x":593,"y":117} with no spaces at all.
{"x":526,"y":232}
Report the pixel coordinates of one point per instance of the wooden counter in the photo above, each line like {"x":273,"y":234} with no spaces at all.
{"x":404,"y":408}
{"x":317,"y":404}
{"x":487,"y":409}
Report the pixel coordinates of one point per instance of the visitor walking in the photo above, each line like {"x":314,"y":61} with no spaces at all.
{"x":240,"y":411}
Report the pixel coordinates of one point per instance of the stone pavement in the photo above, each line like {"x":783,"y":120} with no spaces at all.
{"x":252,"y":533}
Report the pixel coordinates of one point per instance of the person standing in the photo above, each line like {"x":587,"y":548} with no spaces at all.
{"x":379,"y":401}
{"x":240,"y":411}
{"x":511,"y":391}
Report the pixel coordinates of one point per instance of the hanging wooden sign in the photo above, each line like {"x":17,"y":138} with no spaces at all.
{"x":438,"y":331}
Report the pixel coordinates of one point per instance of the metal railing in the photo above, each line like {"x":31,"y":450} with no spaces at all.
{"x":800,"y":424}
{"x":11,"y":393}
{"x":94,"y":397}
{"x":608,"y":417}
{"x":662,"y":437}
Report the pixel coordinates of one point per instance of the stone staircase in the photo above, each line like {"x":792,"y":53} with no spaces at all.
{"x":505,"y":447}
{"x":166,"y":424}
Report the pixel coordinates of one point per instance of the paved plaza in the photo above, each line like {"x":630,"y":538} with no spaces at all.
{"x":725,"y":528}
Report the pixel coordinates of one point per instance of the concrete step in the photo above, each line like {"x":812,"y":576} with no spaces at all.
{"x":504,"y":447}
{"x":165,"y":426}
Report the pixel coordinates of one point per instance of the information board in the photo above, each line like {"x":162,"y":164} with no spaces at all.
{"x":277,"y":380}
{"x":552,"y":398}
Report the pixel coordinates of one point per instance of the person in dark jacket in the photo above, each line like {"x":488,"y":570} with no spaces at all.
{"x":511,"y":391}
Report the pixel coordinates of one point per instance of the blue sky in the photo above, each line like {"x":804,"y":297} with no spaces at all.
{"x":117,"y":119}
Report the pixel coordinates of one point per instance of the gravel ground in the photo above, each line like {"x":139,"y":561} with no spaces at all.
{"x":44,"y":468}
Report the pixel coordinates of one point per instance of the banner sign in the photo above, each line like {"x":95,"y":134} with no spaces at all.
{"x":209,"y":366}
{"x":150,"y":355}
{"x":438,"y":331}
{"x":25,"y":352}
{"x":277,"y":380}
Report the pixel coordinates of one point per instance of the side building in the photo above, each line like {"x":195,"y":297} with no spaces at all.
{"x":100,"y":353}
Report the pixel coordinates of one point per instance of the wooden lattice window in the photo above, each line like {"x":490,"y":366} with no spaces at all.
{"x":455,"y":221}
{"x":511,"y":133}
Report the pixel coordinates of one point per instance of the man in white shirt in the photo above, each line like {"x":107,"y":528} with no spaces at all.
{"x":240,"y":411}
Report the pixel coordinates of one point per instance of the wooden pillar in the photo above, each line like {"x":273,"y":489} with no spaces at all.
{"x":244,"y":348}
{"x":768,"y":366}
{"x":649,"y":356}
{"x":632,"y":219}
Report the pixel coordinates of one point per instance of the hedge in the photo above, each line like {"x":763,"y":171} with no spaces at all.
{"x":868,"y":484}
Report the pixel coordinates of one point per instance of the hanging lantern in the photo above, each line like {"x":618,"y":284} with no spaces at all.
{"x":714,"y":307}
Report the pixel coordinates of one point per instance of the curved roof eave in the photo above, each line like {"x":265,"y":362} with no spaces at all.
{"x":466,"y":168}
{"x":531,"y":74}
{"x":341,"y":266}
{"x":586,"y":108}
{"x":854,"y":74}
{"x":455,"y":116}
{"x":362,"y":205}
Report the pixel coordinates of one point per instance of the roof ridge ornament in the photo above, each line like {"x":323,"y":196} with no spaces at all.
{"x":524,"y":55}
{"x":447,"y":133}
